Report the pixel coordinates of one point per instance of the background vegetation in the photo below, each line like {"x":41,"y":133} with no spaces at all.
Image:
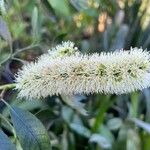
{"x":28,"y":28}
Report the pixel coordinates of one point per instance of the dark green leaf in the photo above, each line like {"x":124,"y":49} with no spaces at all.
{"x":5,"y":143}
{"x":60,"y":37}
{"x":79,"y":4}
{"x":31,"y":132}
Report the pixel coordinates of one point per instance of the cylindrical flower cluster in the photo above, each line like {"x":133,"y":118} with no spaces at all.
{"x":109,"y":73}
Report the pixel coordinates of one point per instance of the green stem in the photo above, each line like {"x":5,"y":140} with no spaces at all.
{"x":12,"y":55}
{"x":104,"y":106}
{"x":24,"y":49}
{"x":7,"y":86}
{"x":134,"y":105}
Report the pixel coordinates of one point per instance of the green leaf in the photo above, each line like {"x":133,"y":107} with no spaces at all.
{"x":60,"y":37}
{"x":4,"y":32}
{"x":30,"y":130}
{"x":35,"y":23}
{"x":26,"y":105}
{"x":142,"y":124}
{"x":2,"y":7}
{"x":102,"y":141}
{"x":60,"y":7}
{"x":114,"y":123}
{"x":105,"y":132}
{"x":75,"y":103}
{"x":145,"y":141}
{"x":133,"y":140}
{"x":80,"y":5}
{"x":120,"y":143}
{"x":67,"y":114}
{"x":80,"y":129}
{"x":5,"y":143}
{"x":4,"y":56}
{"x":128,"y":138}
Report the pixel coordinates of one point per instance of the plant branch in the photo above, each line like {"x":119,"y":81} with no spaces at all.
{"x":7,"y":86}
{"x":24,"y":49}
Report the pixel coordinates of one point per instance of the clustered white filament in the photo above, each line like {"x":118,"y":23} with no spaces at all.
{"x":65,"y":49}
{"x":74,"y":73}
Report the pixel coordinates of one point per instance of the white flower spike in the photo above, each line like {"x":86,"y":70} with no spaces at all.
{"x":109,"y":73}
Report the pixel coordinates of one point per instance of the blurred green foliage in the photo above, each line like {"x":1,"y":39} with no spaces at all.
{"x":28,"y":28}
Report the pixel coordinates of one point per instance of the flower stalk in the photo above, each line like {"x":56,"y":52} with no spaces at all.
{"x":7,"y":86}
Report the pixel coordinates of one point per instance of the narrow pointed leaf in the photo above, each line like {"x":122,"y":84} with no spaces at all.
{"x":142,"y":124}
{"x":4,"y":32}
{"x":35,"y":23}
